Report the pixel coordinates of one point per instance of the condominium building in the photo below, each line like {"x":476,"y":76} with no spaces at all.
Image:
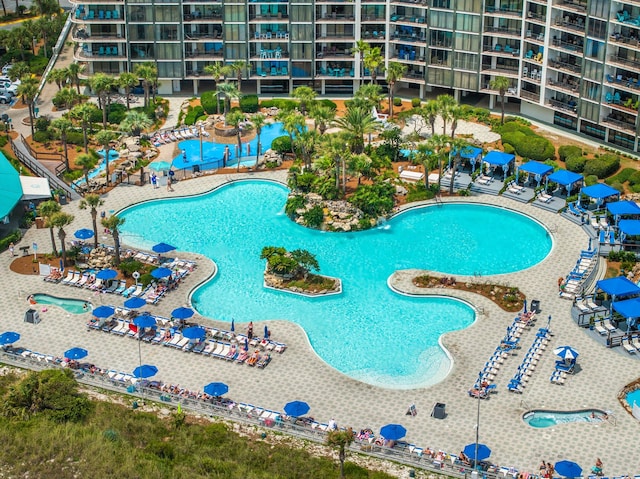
{"x":572,"y":63}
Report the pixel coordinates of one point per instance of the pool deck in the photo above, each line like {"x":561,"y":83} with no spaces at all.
{"x":300,"y":374}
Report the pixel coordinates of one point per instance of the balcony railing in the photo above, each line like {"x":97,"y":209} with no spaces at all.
{"x":618,"y":38}
{"x":503,"y":30}
{"x":625,"y":125}
{"x":558,"y":65}
{"x":502,"y":12}
{"x":203,"y":36}
{"x":570,"y":107}
{"x":327,"y":17}
{"x":574,"y":48}
{"x":408,"y":19}
{"x":408,"y":38}
{"x":575,"y":26}
{"x":563,"y":86}
{"x":199,"y":17}
{"x":500,"y":69}
{"x":373,"y":18}
{"x":574,"y":4}
{"x":529,"y":95}
{"x":209,"y":54}
{"x":623,"y":61}
{"x":535,"y":16}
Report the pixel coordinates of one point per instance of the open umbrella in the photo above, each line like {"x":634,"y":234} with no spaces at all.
{"x":470,"y":451}
{"x":160,"y":166}
{"x":296,"y":408}
{"x":106,"y":274}
{"x":135,"y":302}
{"x":568,"y":469}
{"x":83,"y":234}
{"x":393,"y":432}
{"x":161,"y":273}
{"x":163,"y":248}
{"x":103,"y":311}
{"x":76,"y":353}
{"x":182,"y":313}
{"x":216,"y":389}
{"x":144,"y":321}
{"x":194,"y":332}
{"x":566,"y":352}
{"x":145,"y":371}
{"x":9,"y":338}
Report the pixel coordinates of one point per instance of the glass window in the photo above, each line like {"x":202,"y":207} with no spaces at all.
{"x":467,"y":23}
{"x":235,"y":51}
{"x":140,"y":32}
{"x":589,"y":110}
{"x":235,"y":32}
{"x":140,"y":13}
{"x":301,"y":32}
{"x":466,"y":81}
{"x":599,"y":9}
{"x":300,"y":69}
{"x":167,"y":13}
{"x":466,"y":61}
{"x":464,"y":41}
{"x":474,"y":5}
{"x":595,"y":49}
{"x":441,"y":20}
{"x":302,"y":51}
{"x":301,"y":13}
{"x":234,"y":13}
{"x":591,"y":90}
{"x":593,"y":70}
{"x":439,"y":76}
{"x":592,"y":130}
{"x":170,"y":70}
{"x":597,"y":28}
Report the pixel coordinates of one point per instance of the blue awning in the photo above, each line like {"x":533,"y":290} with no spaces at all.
{"x":629,"y":308}
{"x":498,"y":158}
{"x":629,"y":227}
{"x":11,"y":191}
{"x":625,"y":207}
{"x":536,"y":168}
{"x":618,"y":287}
{"x":468,"y":152}
{"x":565,"y":178}
{"x":599,"y":191}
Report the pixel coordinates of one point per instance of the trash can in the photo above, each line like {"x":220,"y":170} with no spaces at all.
{"x":439,"y":411}
{"x":39,"y":222}
{"x":31,"y":316}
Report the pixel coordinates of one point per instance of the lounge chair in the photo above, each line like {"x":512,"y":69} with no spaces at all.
{"x":83,"y":280}
{"x":121,"y":287}
{"x":629,"y":347}
{"x":602,"y":331}
{"x":636,"y":343}
{"x":602,"y":237}
{"x":263,"y":361}
{"x":612,"y":237}
{"x":70,"y":276}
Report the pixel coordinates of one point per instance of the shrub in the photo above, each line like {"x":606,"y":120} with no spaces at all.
{"x":293,"y":204}
{"x":117,"y":114}
{"x":568,"y":151}
{"x":508,"y":148}
{"x":397,"y":101}
{"x":3,"y":141}
{"x":282,"y":144}
{"x":416,"y":102}
{"x":193,"y":113}
{"x":12,"y":237}
{"x":328,"y":103}
{"x":617,"y":186}
{"x":281,"y":103}
{"x":249,"y":103}
{"x":314,"y":217}
{"x":42,"y":123}
{"x":208,"y":102}
{"x":575,"y":163}
{"x":634,"y":178}
{"x":374,"y":200}
{"x":602,"y":167}
{"x":590,"y":180}
{"x":75,"y":138}
{"x":41,"y":136}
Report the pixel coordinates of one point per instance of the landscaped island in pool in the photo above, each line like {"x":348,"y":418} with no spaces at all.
{"x":368,"y":332}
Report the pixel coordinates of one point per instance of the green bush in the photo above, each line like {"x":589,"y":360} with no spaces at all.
{"x":569,"y":151}
{"x":208,"y":102}
{"x":328,"y":103}
{"x":314,"y":217}
{"x":575,"y":163}
{"x":37,"y":64}
{"x":41,"y":136}
{"x":193,"y":113}
{"x":529,"y":145}
{"x":374,"y":200}
{"x":508,"y":148}
{"x":117,"y":113}
{"x":3,"y":141}
{"x":416,"y":102}
{"x":12,"y":237}
{"x":602,"y":167}
{"x":634,"y":178}
{"x":75,"y":138}
{"x":590,"y":180}
{"x":397,"y":101}
{"x":617,"y":186}
{"x":249,"y":103}
{"x":282,"y":144}
{"x":281,"y":103}
{"x":42,"y":123}
{"x":293,"y":204}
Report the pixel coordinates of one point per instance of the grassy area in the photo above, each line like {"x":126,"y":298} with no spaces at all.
{"x":314,"y":283}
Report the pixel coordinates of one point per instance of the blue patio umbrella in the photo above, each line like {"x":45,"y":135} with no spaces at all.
{"x":83,"y":234}
{"x":296,"y":408}
{"x":216,"y":389}
{"x":76,"y":353}
{"x":145,"y":371}
{"x":103,"y":311}
{"x":567,"y":353}
{"x":470,"y":451}
{"x":233,"y":325}
{"x":194,"y":332}
{"x":525,"y":306}
{"x":246,"y":344}
{"x":106,"y":274}
{"x":144,"y":321}
{"x":162,"y":248}
{"x":182,"y":313}
{"x":393,"y":432}
{"x":161,"y":273}
{"x":266,"y":332}
{"x":9,"y":338}
{"x":568,"y":469}
{"x":135,"y":302}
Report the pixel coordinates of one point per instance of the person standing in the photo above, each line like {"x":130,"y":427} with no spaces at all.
{"x":250,"y":330}
{"x":154,"y":181}
{"x":11,"y":249}
{"x":169,"y":188}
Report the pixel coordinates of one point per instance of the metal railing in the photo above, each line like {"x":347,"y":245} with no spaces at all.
{"x":56,"y":52}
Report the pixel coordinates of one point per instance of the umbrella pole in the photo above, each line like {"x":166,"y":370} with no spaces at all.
{"x":140,"y":360}
{"x":477,"y":425}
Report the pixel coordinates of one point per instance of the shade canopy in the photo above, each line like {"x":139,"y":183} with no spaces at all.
{"x":629,"y":227}
{"x":296,"y":408}
{"x":624,"y":207}
{"x":11,"y":190}
{"x":469,"y":152}
{"x":162,"y":248}
{"x":161,"y":273}
{"x":568,"y":469}
{"x":629,"y":308}
{"x":599,"y":191}
{"x":9,"y":338}
{"x":145,"y":371}
{"x":35,"y":188}
{"x":535,"y":168}
{"x":182,"y":313}
{"x":76,"y":353}
{"x":393,"y":432}
{"x":565,"y":178}
{"x":216,"y":389}
{"x":194,"y":332}
{"x":144,"y":321}
{"x":83,"y":234}
{"x":106,"y":274}
{"x":566,"y":352}
{"x":135,"y":302}
{"x":483,"y":452}
{"x":160,"y":166}
{"x":103,"y":311}
{"x":618,"y":287}
{"x":498,"y":158}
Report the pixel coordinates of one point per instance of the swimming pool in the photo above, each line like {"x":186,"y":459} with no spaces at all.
{"x":633,"y":397}
{"x":368,"y":332}
{"x":75,"y":306}
{"x":212,"y":152}
{"x":543,"y":419}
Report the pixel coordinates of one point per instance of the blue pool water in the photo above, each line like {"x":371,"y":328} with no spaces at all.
{"x":75,"y":306}
{"x":113,"y":154}
{"x":542,"y":419}
{"x":633,"y":397}
{"x":212,"y":153}
{"x":369,"y":332}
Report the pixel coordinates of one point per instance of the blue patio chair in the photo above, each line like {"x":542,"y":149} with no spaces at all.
{"x":101,"y":51}
{"x":352,"y":73}
{"x":90,"y":15}
{"x":609,"y":78}
{"x":498,"y":47}
{"x":343,"y":72}
{"x":256,"y":35}
{"x":107,"y":14}
{"x":529,"y":54}
{"x":321,"y":71}
{"x":617,"y":99}
{"x":508,"y":49}
{"x":101,"y":14}
{"x":274,"y":71}
{"x":260,"y":72}
{"x":116,"y":14}
{"x":608,"y":97}
{"x":412,"y":55}
{"x":285,"y":71}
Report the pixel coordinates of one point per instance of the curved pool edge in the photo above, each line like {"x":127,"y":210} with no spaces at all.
{"x":600,"y":420}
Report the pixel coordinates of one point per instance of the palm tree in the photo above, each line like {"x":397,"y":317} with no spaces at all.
{"x":63,"y":125}
{"x":238,"y":68}
{"x":235,"y":119}
{"x":228,"y":91}
{"x":501,"y":84}
{"x":292,"y":123}
{"x":28,"y":90}
{"x":357,"y":122}
{"x":83,"y":113}
{"x":93,"y":202}
{"x":105,"y":137}
{"x":73,"y":74}
{"x":360,"y":49}
{"x":395,"y":71}
{"x":322,"y":116}
{"x":305,"y":142}
{"x":135,"y":121}
{"x":218,"y":71}
{"x":372,"y":60}
{"x":66,"y":98}
{"x":87,"y":162}
{"x":306,"y":95}
{"x":60,"y":220}
{"x":148,"y":73}
{"x":102,"y":84}
{"x":258,"y":120}
{"x":113,"y":223}
{"x":46,"y":210}
{"x":457,"y":147}
{"x":127,"y":81}
{"x":429,"y":113}
{"x":360,"y":165}
{"x":455,"y":113}
{"x":19,"y":70}
{"x":340,"y":440}
{"x":370,"y":94}
{"x":446,"y":102}
{"x":437,"y":145}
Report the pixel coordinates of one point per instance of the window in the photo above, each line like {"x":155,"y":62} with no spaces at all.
{"x":593,"y":70}
{"x":466,"y":61}
{"x":464,"y":41}
{"x":441,"y":20}
{"x":301,"y":13}
{"x":235,"y":32}
{"x":597,"y":28}
{"x":302,"y":51}
{"x":592,"y":130}
{"x":438,"y":76}
{"x":467,"y":23}
{"x":235,"y":51}
{"x":170,"y":70}
{"x":466,"y":81}
{"x":234,"y":13}
{"x":167,"y":13}
{"x":301,"y":32}
{"x":589,"y":110}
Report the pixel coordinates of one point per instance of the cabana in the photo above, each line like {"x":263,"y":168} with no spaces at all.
{"x":535,"y":168}
{"x":623,"y":208}
{"x":600,"y":192}
{"x":629,"y":309}
{"x":629,"y":228}
{"x":565,"y":178}
{"x":618,"y":288}
{"x":498,"y":158}
{"x":471,"y":153}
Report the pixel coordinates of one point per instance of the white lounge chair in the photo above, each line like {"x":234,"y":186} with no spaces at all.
{"x":379,"y":116}
{"x":602,"y":331}
{"x":629,"y":347}
{"x":636,"y":343}
{"x":408,"y":175}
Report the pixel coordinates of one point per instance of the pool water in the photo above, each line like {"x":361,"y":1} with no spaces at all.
{"x":542,"y":419}
{"x":368,"y":332}
{"x":213,"y":153}
{"x":113,"y":154}
{"x":75,"y":306}
{"x":633,"y":397}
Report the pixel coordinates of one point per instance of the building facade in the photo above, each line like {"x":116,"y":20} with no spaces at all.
{"x":572,"y":63}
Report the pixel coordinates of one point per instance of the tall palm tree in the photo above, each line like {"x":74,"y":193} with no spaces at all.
{"x":322,"y":116}
{"x":258,"y":120}
{"x":93,"y":202}
{"x":135,"y":121}
{"x":74,"y":71}
{"x":19,"y":70}
{"x":105,"y":137}
{"x":60,"y":220}
{"x":429,"y":112}
{"x":113,"y":223}
{"x":83,"y":113}
{"x":395,"y":71}
{"x":46,"y":210}
{"x":235,"y":119}
{"x":218,"y":71}
{"x":437,"y":145}
{"x":292,"y":123}
{"x":228,"y":91}
{"x":370,"y":94}
{"x":357,"y":122}
{"x":306,"y":95}
{"x":360,"y":49}
{"x":66,"y":98}
{"x":372,"y":60}
{"x":340,"y":440}
{"x":128,"y":81}
{"x":446,"y":103}
{"x":148,"y":73}
{"x":63,"y":125}
{"x":501,"y":84}
{"x":455,"y":113}
{"x":238,"y":68}
{"x":102,"y":84}
{"x":87,"y":162}
{"x":28,"y":90}
{"x":305,"y":142}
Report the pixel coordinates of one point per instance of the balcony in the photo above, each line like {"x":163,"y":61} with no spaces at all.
{"x":83,"y":35}
{"x":106,"y":54}
{"x":372,"y":18}
{"x":570,"y":107}
{"x":498,"y":50}
{"x":413,"y":3}
{"x":511,"y":32}
{"x":203,"y":36}
{"x":573,"y":48}
{"x":569,"y":87}
{"x":573,"y":5}
{"x":536,"y":17}
{"x":623,"y":40}
{"x":335,"y":18}
{"x":618,"y":121}
{"x":408,"y":20}
{"x":98,"y":14}
{"x":333,"y":53}
{"x":574,"y":26}
{"x":323,"y":37}
{"x":512,"y":72}
{"x":196,"y":16}
{"x":502,"y":12}
{"x":615,"y":59}
{"x":204,"y":54}
{"x":269,"y":54}
{"x":414,"y":77}
{"x":565,"y":67}
{"x":628,"y":106}
{"x":530,"y":96}
{"x":413,"y":38}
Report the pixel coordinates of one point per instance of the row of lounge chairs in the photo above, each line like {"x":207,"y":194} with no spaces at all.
{"x":544,"y":198}
{"x":530,"y":361}
{"x":515,"y":188}
{"x":588,"y":305}
{"x":185,"y":133}
{"x":484,"y":180}
{"x":573,"y":284}
{"x":632,"y":346}
{"x":607,"y":236}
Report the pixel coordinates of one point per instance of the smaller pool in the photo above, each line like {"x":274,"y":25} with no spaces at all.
{"x":75,"y":306}
{"x":633,"y":397}
{"x":541,"y":419}
{"x":113,"y":154}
